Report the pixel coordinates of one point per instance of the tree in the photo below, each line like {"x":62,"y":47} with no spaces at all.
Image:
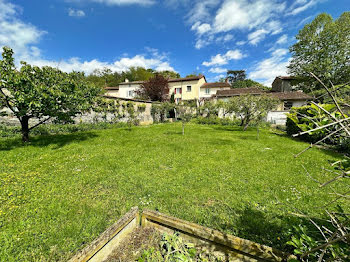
{"x":251,"y":109}
{"x":246,"y":83}
{"x":235,"y":75}
{"x":184,"y":114}
{"x":42,"y":93}
{"x":155,"y":89}
{"x":169,"y":74}
{"x":322,"y":48}
{"x":194,"y":74}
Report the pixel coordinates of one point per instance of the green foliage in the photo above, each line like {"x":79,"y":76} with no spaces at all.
{"x":160,"y":111}
{"x":141,"y":108}
{"x":216,"y":121}
{"x":251,"y":109}
{"x":322,"y":48}
{"x":172,"y":248}
{"x":209,"y":109}
{"x":55,"y":129}
{"x":246,"y":83}
{"x":84,"y":181}
{"x":309,"y":117}
{"x":303,"y":239}
{"x":105,"y":77}
{"x":43,"y":93}
{"x":235,"y":75}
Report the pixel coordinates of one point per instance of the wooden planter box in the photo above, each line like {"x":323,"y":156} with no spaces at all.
{"x":229,"y":247}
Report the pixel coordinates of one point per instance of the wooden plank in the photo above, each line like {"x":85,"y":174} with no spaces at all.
{"x":101,"y":247}
{"x":213,"y":239}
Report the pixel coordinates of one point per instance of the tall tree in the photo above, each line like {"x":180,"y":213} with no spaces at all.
{"x":323,"y":48}
{"x":235,"y":75}
{"x":155,"y":89}
{"x":169,"y":74}
{"x":42,"y":93}
{"x":246,"y":83}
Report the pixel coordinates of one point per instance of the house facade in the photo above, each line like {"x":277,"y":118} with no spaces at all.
{"x":188,"y":88}
{"x":281,"y":91}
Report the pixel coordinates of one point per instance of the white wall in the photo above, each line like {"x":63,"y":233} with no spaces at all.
{"x":212,"y":90}
{"x":124,"y":90}
{"x":277,"y":117}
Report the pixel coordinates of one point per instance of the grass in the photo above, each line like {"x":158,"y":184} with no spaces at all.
{"x":61,"y":191}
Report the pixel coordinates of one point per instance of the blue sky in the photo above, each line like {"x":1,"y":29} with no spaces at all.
{"x":206,"y":36}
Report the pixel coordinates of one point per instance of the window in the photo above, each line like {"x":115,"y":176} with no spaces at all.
{"x":189,"y":88}
{"x":207,"y":91}
{"x":130,"y":93}
{"x":287,"y":105}
{"x":178,"y":90}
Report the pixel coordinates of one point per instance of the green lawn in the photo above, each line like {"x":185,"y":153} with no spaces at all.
{"x":60,"y":192}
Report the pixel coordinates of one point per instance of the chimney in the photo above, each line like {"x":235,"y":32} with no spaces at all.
{"x":126,"y":80}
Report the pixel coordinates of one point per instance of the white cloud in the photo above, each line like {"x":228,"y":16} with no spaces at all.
{"x":266,"y":70}
{"x":76,"y":64}
{"x":217,"y":70}
{"x":282,"y":40}
{"x":224,"y":38}
{"x":259,"y":16}
{"x":23,"y":38}
{"x":241,"y":43}
{"x":76,"y":13}
{"x":118,"y":2}
{"x":257,"y":36}
{"x":220,"y":59}
{"x":201,"y":28}
{"x":301,"y":5}
{"x":244,"y":14}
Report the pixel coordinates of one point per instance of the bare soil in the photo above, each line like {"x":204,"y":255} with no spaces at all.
{"x":133,"y":246}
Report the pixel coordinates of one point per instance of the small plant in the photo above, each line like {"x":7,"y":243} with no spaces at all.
{"x":172,"y":248}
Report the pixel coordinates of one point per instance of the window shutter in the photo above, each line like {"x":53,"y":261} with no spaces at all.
{"x":175,"y":91}
{"x":180,"y":90}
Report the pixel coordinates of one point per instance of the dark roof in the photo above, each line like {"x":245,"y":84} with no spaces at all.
{"x":217,"y":84}
{"x":290,"y":95}
{"x":286,"y":77}
{"x":191,"y":78}
{"x":112,"y":88}
{"x":255,"y":91}
{"x":132,"y":83}
{"x":239,"y":91}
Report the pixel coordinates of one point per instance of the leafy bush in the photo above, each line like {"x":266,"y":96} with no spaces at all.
{"x":213,"y":120}
{"x":51,"y":129}
{"x":309,"y":117}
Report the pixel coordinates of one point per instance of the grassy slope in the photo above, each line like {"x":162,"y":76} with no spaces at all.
{"x":61,"y":191}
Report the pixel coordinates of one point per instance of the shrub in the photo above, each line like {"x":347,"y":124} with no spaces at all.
{"x":309,"y":117}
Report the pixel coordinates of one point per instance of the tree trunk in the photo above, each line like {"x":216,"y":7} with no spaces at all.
{"x":183,"y":128}
{"x":25,"y":128}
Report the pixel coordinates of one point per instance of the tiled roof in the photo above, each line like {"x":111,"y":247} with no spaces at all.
{"x":286,"y":77}
{"x":132,"y":83}
{"x":191,"y":78}
{"x":218,"y":84}
{"x":239,"y":91}
{"x":290,"y":95}
{"x":255,"y":91}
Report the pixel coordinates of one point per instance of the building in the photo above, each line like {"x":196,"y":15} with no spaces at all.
{"x":283,"y":84}
{"x":281,"y":91}
{"x":188,"y":88}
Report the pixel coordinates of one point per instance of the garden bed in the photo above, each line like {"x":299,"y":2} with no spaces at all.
{"x":127,"y":240}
